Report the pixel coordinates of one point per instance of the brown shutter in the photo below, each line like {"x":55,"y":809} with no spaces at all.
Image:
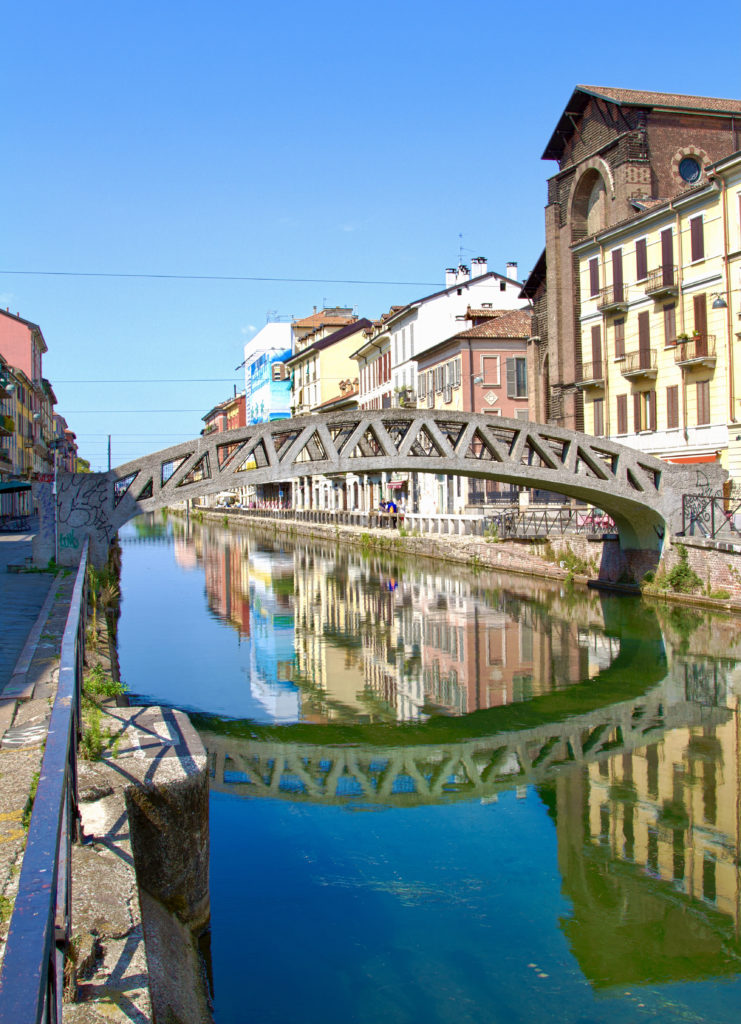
{"x":700,"y":306}
{"x":620,"y":337}
{"x":672,"y":407}
{"x":703,"y":402}
{"x":641,"y":260}
{"x":667,"y":257}
{"x":597,"y":350}
{"x":644,"y":340}
{"x":594,"y":277}
{"x":622,"y":414}
{"x":617,"y":275}
{"x":637,"y":412}
{"x":697,"y":240}
{"x":670,"y":324}
{"x":651,"y":399}
{"x":599,"y":417}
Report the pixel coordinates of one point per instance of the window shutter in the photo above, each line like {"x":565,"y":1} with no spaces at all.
{"x":457,"y":372}
{"x":599,"y":417}
{"x":703,"y":402}
{"x":597,"y":350}
{"x":700,"y":306}
{"x":617,"y":275}
{"x":637,"y":412}
{"x":672,"y":407}
{"x":641,"y":260}
{"x":421,"y":385}
{"x":622,"y":414}
{"x":667,"y":255}
{"x":670,"y":324}
{"x":697,"y":240}
{"x":594,"y":277}
{"x":511,"y":379}
{"x":620,"y":337}
{"x":644,"y":339}
{"x":651,"y":401}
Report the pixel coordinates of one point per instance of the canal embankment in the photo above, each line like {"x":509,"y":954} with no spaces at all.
{"x":691,"y":570}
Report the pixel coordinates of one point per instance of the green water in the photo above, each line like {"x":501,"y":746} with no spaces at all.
{"x":446,"y":797}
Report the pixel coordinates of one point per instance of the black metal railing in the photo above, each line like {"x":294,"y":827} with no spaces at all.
{"x":611,"y":297}
{"x":711,"y":516}
{"x":638,"y":361}
{"x":32,"y":976}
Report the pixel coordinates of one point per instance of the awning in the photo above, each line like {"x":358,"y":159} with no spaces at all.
{"x":9,"y":486}
{"x":692,"y":459}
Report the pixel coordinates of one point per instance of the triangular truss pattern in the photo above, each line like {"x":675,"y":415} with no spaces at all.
{"x":452,"y":432}
{"x":480,"y":448}
{"x":425,"y":446}
{"x":121,"y":487}
{"x":557,"y":446}
{"x":147,"y":490}
{"x":608,"y":459}
{"x":588,"y":466}
{"x":368,"y":446}
{"x":505,"y":437}
{"x":256,"y":458}
{"x":631,"y":478}
{"x":654,"y":475}
{"x":282,"y":442}
{"x":201,"y":471}
{"x":169,"y":469}
{"x":226,"y":452}
{"x":397,"y":430}
{"x":313,"y":450}
{"x":535,"y":454}
{"x":341,"y":434}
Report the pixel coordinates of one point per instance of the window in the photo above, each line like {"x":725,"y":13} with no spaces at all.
{"x":672,"y":407}
{"x":516,"y":377}
{"x":641,"y":260}
{"x":411,"y":340}
{"x":598,"y":406}
{"x":644,"y":340}
{"x":597,"y":350}
{"x":703,"y":402}
{"x":622,"y":414}
{"x":644,"y":411}
{"x":670,"y":324}
{"x":422,"y":385}
{"x":594,"y":277}
{"x":617,"y":275}
{"x":521,"y":414}
{"x":697,"y":239}
{"x":502,"y":286}
{"x":620,"y":338}
{"x":490,"y":370}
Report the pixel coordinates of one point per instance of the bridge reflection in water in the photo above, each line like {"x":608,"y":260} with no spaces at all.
{"x":620,"y":718}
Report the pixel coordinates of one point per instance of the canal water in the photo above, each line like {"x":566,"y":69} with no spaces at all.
{"x":445,"y":796}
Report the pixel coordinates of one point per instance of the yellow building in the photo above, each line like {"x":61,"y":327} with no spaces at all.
{"x":659,"y":321}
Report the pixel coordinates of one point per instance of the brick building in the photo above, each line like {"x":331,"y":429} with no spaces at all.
{"x":617,"y":150}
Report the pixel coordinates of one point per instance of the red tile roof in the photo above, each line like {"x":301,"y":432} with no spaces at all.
{"x":334,"y":317}
{"x":513,"y":324}
{"x":639,"y":98}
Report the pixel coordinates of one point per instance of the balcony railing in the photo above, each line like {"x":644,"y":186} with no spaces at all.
{"x":592,"y":375}
{"x":641,"y":363}
{"x":696,"y":351}
{"x":662,"y":281}
{"x":612,"y":299}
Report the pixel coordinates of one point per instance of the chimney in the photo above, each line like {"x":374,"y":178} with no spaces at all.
{"x":478,"y":266}
{"x":512,"y":271}
{"x":463,"y":275}
{"x":450,"y":277}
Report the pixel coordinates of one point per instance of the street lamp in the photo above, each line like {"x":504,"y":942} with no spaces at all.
{"x":719,"y":302}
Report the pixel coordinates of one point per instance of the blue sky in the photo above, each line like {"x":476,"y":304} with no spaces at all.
{"x":283,"y":140}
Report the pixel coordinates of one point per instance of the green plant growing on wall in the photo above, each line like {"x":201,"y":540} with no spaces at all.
{"x":682,"y":578}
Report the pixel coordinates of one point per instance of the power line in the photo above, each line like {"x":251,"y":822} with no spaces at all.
{"x":149,"y":380}
{"x":216,"y":277}
{"x":76,"y":412}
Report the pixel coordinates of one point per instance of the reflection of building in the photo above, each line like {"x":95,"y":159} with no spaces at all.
{"x":272,"y":659}
{"x":648,"y":849}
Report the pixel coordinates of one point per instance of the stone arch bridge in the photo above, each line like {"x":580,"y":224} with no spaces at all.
{"x":641,"y":493}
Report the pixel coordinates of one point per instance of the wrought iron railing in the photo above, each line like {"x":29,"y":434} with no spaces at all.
{"x":700,"y":346}
{"x":593,"y":371}
{"x":32,"y":976}
{"x":711,"y":516}
{"x":661,"y":279}
{"x":611,"y":296}
{"x":638,"y":360}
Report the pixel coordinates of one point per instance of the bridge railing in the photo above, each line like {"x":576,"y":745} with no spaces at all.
{"x":32,"y":975}
{"x":711,"y":516}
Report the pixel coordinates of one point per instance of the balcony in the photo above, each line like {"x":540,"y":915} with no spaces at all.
{"x":639,"y":365}
{"x":696,"y":351}
{"x":662,"y":282}
{"x":405,"y":398}
{"x":612,"y":299}
{"x":592,"y":375}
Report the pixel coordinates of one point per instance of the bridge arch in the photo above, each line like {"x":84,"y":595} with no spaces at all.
{"x":640,"y":492}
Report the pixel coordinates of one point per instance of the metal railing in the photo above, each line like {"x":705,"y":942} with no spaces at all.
{"x":32,"y":975}
{"x":611,"y":297}
{"x":711,"y":516}
{"x":593,"y":371}
{"x":701,"y":346}
{"x":544,"y":522}
{"x":638,"y":361}
{"x":662,"y":279}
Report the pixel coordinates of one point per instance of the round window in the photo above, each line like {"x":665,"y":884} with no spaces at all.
{"x":689,"y":169}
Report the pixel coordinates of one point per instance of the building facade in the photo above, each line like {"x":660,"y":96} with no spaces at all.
{"x":266,"y":382}
{"x":618,"y":150}
{"x":659,"y":324}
